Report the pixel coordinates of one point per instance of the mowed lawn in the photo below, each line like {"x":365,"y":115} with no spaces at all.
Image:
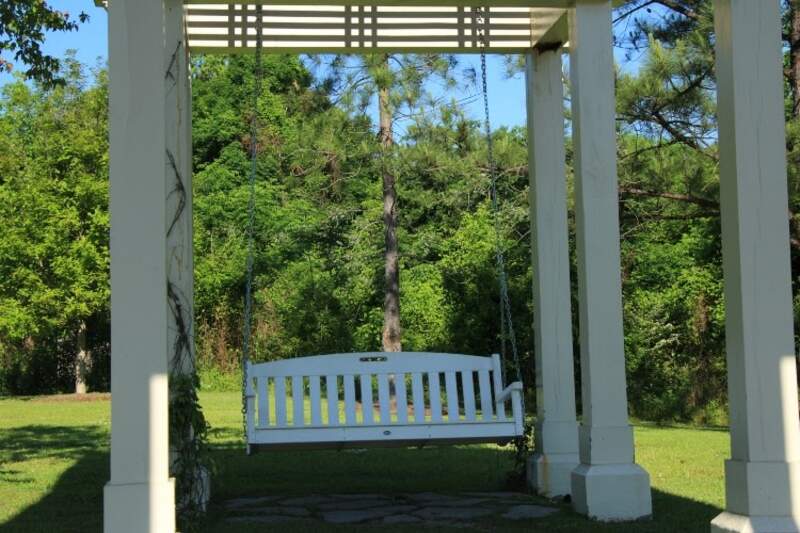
{"x":54,"y":463}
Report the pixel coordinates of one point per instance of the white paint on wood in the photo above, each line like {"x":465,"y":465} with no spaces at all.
{"x":280,"y":401}
{"x":332,"y":388}
{"x":349,"y":399}
{"x":380,"y":433}
{"x":298,"y":401}
{"x":763,"y":474}
{"x":140,"y":495}
{"x":351,"y":429}
{"x":606,"y":438}
{"x":316,"y":400}
{"x":497,"y":382}
{"x":468,"y":388}
{"x":487,"y":409}
{"x":384,"y":401}
{"x":451,"y":389}
{"x":556,"y":429}
{"x":435,"y":395}
{"x":367,"y":398}
{"x":418,"y":396}
{"x":215,"y":28}
{"x":401,"y":398}
{"x":263,"y":401}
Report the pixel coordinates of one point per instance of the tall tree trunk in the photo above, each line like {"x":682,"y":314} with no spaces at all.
{"x":391,"y":302}
{"x":794,"y":55}
{"x":83,"y":361}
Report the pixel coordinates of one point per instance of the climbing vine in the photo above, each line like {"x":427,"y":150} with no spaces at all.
{"x":517,"y":477}
{"x":188,"y":429}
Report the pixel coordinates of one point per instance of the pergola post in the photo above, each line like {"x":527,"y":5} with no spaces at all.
{"x":140,"y":496}
{"x":180,"y":252}
{"x":608,"y":485}
{"x":762,"y":479}
{"x":556,"y":437}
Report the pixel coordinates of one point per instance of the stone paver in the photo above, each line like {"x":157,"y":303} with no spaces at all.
{"x":354,"y":504}
{"x":428,"y":509}
{"x":247,"y":502}
{"x":429,"y":497}
{"x":401,"y":519}
{"x":453,"y":513}
{"x":278,"y":510}
{"x":461,"y":502}
{"x":363,"y":515}
{"x":262,"y":519}
{"x":308,"y":500}
{"x":527,"y":512}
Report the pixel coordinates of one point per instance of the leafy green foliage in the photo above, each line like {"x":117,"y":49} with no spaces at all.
{"x":319,"y":228}
{"x":23,"y":24}
{"x":54,"y":222}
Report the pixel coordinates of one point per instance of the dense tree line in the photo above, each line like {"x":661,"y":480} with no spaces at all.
{"x":320,"y":233}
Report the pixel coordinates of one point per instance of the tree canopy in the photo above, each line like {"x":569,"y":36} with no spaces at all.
{"x":23,"y":25}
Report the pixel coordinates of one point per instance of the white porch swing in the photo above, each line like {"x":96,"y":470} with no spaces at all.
{"x":440,"y":412}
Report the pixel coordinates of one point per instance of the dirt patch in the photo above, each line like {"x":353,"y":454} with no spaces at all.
{"x":58,"y":398}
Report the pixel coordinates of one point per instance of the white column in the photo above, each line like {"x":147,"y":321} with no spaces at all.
{"x":178,"y":185}
{"x":607,"y":485}
{"x":140,"y":496}
{"x":556,"y":433}
{"x":762,"y":479}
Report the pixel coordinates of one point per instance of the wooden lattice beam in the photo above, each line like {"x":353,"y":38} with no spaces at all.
{"x":234,"y":28}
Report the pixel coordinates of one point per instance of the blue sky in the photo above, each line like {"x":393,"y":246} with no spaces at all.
{"x":507,"y":96}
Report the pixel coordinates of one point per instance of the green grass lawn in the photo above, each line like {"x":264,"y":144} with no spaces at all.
{"x":54,"y":462}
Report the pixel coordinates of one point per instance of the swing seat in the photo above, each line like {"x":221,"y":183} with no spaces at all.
{"x":328,"y":401}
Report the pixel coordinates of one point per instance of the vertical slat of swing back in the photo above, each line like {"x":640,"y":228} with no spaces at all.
{"x":332,"y":387}
{"x":468,"y":388}
{"x":401,"y":395}
{"x":280,"y":402}
{"x":349,"y":399}
{"x":262,"y":388}
{"x":367,"y":413}
{"x":418,"y":397}
{"x":485,"y":389}
{"x":434,"y":390}
{"x":298,"y":401}
{"x":316,"y":400}
{"x":384,"y":401}
{"x":497,"y":380}
{"x":451,"y":388}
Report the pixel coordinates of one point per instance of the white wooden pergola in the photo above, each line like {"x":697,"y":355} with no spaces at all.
{"x":151,"y":234}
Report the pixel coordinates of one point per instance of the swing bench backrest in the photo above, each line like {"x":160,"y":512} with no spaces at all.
{"x":374,"y":399}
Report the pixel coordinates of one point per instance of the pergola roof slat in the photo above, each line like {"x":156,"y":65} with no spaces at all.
{"x":226,"y":28}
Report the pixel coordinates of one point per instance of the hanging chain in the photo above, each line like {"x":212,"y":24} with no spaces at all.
{"x":506,"y":322}
{"x":247,"y":332}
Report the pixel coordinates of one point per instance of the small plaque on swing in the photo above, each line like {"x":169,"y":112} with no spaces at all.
{"x":374,"y":359}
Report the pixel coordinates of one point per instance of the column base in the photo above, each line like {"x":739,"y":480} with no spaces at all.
{"x":550,"y":475}
{"x":735,"y":523}
{"x":139,"y":507}
{"x":614,"y":492}
{"x":762,"y":488}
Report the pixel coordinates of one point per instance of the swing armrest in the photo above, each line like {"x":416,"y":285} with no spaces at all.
{"x":509,"y":391}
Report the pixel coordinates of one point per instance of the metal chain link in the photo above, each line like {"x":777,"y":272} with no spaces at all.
{"x":506,"y":322}
{"x":247,"y":332}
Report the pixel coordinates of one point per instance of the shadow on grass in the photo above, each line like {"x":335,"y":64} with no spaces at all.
{"x":74,"y":502}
